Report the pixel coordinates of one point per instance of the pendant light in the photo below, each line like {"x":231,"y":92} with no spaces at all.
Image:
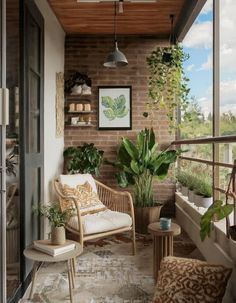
{"x":116,"y":58}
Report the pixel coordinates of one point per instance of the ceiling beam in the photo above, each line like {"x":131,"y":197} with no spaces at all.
{"x":187,"y":17}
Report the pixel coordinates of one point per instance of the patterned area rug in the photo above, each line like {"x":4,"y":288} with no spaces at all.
{"x":107,"y":272}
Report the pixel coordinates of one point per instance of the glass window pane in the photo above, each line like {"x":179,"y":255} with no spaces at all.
{"x":198,"y":44}
{"x":227,"y":67}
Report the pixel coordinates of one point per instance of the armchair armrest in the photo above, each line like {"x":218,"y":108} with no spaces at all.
{"x":115,"y":200}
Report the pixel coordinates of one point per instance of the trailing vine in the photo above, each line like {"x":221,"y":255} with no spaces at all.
{"x":167,"y":85}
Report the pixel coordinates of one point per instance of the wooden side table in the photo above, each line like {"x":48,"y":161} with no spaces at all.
{"x":40,"y":257}
{"x":162,"y":243}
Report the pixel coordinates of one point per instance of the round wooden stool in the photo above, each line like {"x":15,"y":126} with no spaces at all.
{"x":162,"y":243}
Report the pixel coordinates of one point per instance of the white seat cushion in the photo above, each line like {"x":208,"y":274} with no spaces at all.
{"x":78,"y":179}
{"x":101,"y":222}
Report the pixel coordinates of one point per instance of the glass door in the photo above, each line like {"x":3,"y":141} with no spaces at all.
{"x":9,"y":153}
{"x":12,"y":144}
{"x":3,"y":122}
{"x":21,"y":139}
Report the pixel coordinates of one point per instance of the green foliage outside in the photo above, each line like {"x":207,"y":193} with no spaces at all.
{"x":115,"y":108}
{"x":196,"y":125}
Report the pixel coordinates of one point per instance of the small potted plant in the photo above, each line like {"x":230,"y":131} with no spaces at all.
{"x":83,"y":159}
{"x":216,"y":212}
{"x":220,"y":210}
{"x":57,"y":219}
{"x":191,"y":182}
{"x":182,"y":178}
{"x":203,"y":189}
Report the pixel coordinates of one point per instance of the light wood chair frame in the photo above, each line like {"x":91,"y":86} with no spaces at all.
{"x":120,"y":201}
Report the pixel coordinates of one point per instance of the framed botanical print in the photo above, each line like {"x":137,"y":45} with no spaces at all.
{"x":115,"y":107}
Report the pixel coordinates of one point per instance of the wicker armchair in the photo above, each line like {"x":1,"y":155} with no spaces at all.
{"x":119,"y":201}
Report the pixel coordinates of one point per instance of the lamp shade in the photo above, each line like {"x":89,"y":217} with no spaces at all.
{"x":116,"y":58}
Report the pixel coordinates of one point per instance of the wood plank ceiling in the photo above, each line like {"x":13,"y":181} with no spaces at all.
{"x":137,"y":19}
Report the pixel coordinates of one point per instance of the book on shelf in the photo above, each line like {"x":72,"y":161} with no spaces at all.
{"x":53,"y":250}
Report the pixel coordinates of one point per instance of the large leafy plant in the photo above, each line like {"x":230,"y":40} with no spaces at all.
{"x":217,"y":211}
{"x":167,"y":85}
{"x":139,"y":163}
{"x":83,"y":159}
{"x":115,"y":108}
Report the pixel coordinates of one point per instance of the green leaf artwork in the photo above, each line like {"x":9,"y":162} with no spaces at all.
{"x":115,"y":108}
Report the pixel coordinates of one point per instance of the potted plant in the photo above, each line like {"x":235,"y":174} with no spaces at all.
{"x":182,"y":178}
{"x":57,"y":219}
{"x":138,"y":164}
{"x":83,"y":159}
{"x":203,"y":189}
{"x":168,"y":85}
{"x":220,"y":210}
{"x":191,"y":182}
{"x":217,"y":211}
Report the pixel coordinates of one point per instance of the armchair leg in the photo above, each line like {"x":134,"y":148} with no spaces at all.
{"x":134,"y":241}
{"x":81,"y":241}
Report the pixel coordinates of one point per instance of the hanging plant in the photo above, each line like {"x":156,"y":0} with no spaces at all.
{"x":167,"y":85}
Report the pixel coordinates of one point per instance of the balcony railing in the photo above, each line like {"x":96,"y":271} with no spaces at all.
{"x":214,"y":163}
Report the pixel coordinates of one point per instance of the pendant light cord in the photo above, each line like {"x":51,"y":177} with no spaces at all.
{"x":115,"y":38}
{"x":172,"y":34}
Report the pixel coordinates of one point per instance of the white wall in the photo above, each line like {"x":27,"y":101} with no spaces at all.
{"x":54,"y":62}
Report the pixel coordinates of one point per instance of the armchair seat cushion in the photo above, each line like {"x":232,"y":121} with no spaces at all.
{"x":102,"y":221}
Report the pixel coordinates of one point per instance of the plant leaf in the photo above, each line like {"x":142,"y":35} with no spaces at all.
{"x":108,"y":102}
{"x":109,"y":113}
{"x":130,"y":148}
{"x":121,"y":114}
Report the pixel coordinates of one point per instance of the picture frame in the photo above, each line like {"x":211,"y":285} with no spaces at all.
{"x":114,"y":107}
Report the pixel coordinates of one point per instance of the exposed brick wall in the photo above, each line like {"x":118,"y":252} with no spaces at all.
{"x":86,"y":55}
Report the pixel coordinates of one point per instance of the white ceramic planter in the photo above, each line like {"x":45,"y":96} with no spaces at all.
{"x":184,"y":191}
{"x":205,"y":202}
{"x":191,"y":196}
{"x":178,"y":187}
{"x":196,"y":199}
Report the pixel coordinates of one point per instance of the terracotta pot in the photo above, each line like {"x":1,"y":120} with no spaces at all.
{"x":144,"y":216}
{"x":58,"y":235}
